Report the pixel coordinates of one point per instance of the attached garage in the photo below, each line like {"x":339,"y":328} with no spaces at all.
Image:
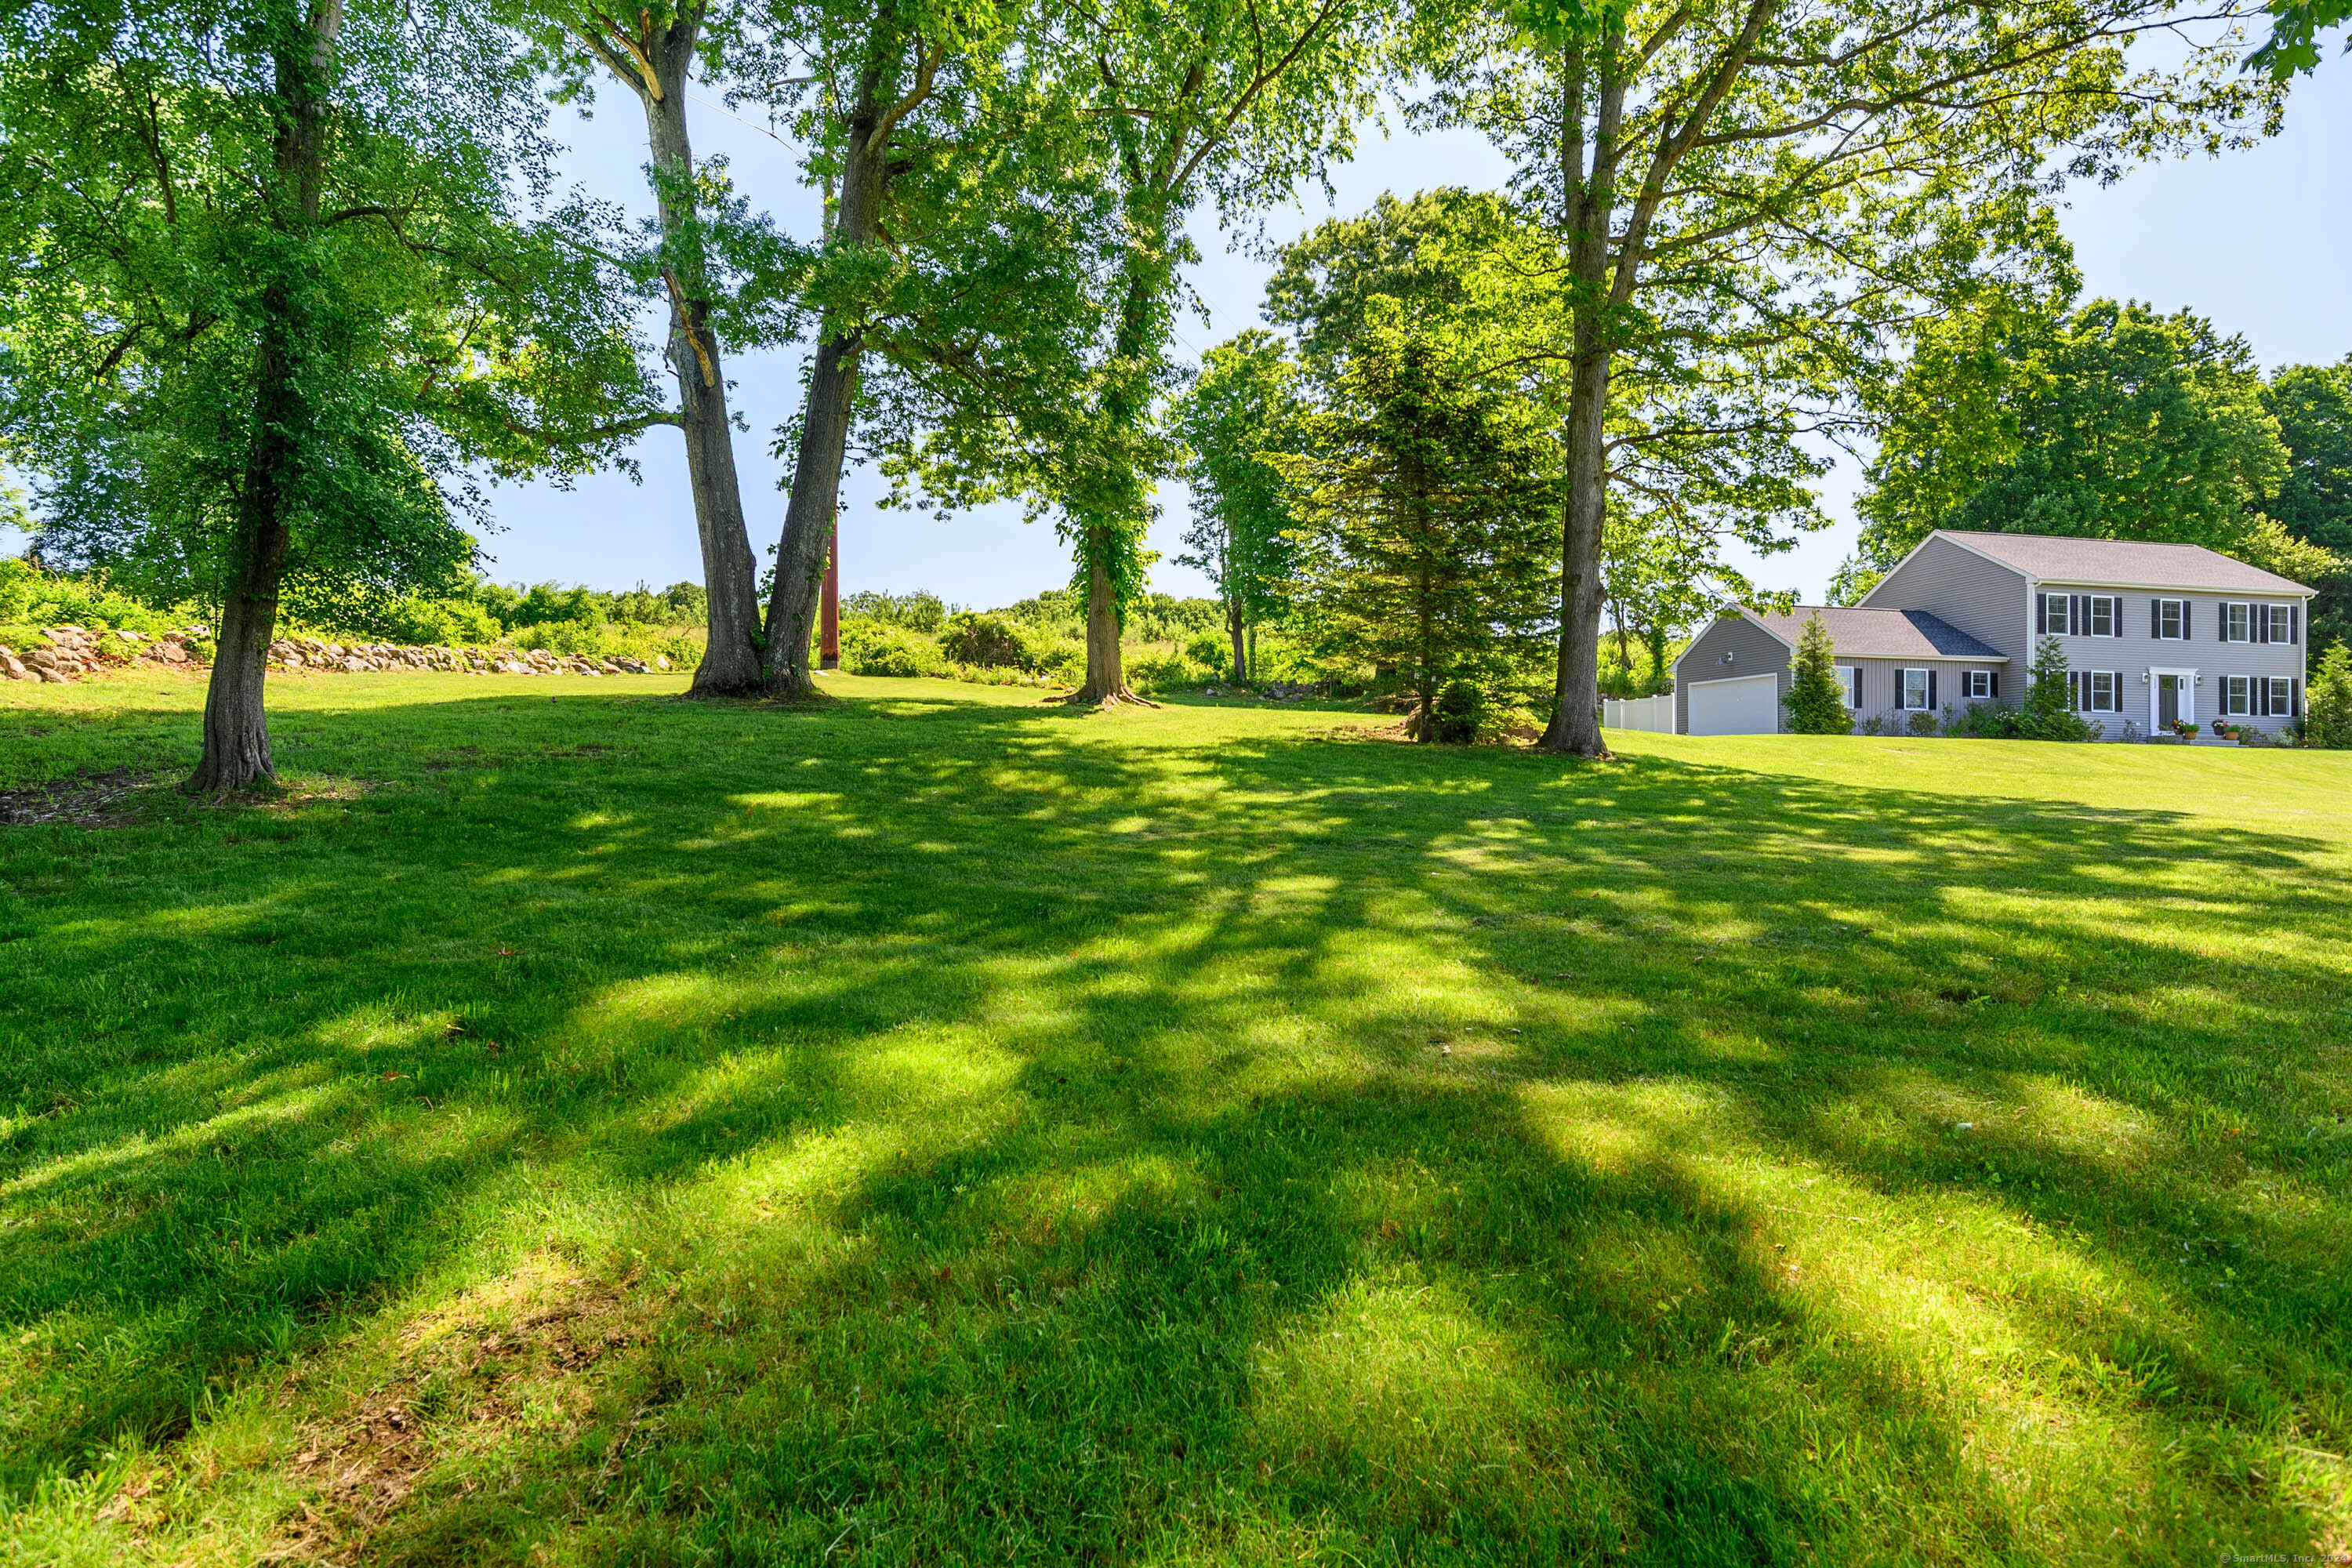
{"x":1744,"y":705}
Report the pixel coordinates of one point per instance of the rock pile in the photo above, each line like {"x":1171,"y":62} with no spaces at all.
{"x":72,"y":652}
{"x":307,"y":653}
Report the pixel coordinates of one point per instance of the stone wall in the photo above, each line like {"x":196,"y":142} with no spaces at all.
{"x":71,"y":653}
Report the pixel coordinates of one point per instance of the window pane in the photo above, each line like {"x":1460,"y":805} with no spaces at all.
{"x":2103,"y":692}
{"x":2103,"y":617}
{"x":2280,"y":630}
{"x":2168,"y":619}
{"x":2282,"y":696}
{"x":1915,"y":688}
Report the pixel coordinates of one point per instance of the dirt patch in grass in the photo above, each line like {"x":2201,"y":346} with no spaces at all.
{"x":94,"y":800}
{"x":508,"y":1359}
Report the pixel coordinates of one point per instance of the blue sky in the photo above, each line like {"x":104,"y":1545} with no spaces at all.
{"x":2257,"y":241}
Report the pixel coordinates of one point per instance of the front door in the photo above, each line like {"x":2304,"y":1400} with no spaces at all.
{"x":2168,"y":700}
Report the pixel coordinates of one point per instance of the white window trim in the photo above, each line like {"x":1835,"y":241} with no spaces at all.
{"x":2114,"y":703}
{"x":2115,"y":615}
{"x":1850,"y":681}
{"x":1903,"y":690}
{"x":2276,"y":711}
{"x":2238,"y":696}
{"x":1970,"y":680}
{"x":2173,"y":635}
{"x":2232,"y":610}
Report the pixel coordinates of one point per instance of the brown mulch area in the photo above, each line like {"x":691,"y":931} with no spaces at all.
{"x":94,"y":800}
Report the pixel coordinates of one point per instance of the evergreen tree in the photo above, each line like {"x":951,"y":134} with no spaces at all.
{"x":1816,"y":699}
{"x":1427,"y":544}
{"x":2048,"y":713}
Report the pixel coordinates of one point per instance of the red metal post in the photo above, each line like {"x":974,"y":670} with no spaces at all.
{"x":829,"y":634}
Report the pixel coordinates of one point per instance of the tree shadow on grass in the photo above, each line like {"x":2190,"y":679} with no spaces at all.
{"x":1504,"y":1120}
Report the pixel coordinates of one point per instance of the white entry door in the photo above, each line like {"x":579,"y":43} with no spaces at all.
{"x":1746,"y":705}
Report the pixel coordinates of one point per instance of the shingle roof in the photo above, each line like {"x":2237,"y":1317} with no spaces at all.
{"x":1881,"y":634}
{"x":2125,"y":562}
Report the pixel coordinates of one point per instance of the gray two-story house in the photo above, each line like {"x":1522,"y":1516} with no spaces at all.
{"x":2152,"y":633}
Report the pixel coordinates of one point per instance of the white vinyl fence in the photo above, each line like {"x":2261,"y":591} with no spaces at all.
{"x":1656,"y":714}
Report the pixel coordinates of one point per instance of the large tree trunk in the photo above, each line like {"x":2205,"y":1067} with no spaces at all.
{"x":808,"y":518}
{"x":809,"y":514}
{"x":1105,"y":681}
{"x":237,"y":726}
{"x":1575,"y":725}
{"x":731,"y":660}
{"x":1587,"y":210}
{"x":1241,"y":648}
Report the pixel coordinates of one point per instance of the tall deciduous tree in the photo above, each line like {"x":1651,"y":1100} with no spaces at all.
{"x":653,"y":50}
{"x":2312,"y":406}
{"x":1230,"y":102}
{"x":270,"y":293}
{"x":1425,"y":540}
{"x":1768,"y":186}
{"x":1241,"y":412}
{"x":957,"y":285}
{"x":2108,"y":421}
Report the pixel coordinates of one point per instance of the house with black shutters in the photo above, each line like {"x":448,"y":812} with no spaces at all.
{"x":2152,"y":633}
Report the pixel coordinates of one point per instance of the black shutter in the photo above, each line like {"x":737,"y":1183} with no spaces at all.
{"x":2265,"y":626}
{"x":1996,"y":685}
{"x":2184,"y":620}
{"x":2155,"y":617}
{"x":2040,"y":614}
{"x":2294,"y":613}
{"x":1931,"y":688}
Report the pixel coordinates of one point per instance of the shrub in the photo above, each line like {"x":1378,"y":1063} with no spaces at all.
{"x":1924,"y":723}
{"x":984,"y":638}
{"x":878,"y":647}
{"x":916,"y":612}
{"x":1214,"y":649}
{"x":2327,"y":702}
{"x":1461,"y":714}
{"x":1874,"y":725}
{"x":1166,"y":672}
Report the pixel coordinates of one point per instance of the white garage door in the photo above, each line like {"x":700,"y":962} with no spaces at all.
{"x":1750,"y":705}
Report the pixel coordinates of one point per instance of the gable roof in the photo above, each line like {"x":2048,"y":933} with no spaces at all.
{"x":2121,"y":563}
{"x":1880,"y":633}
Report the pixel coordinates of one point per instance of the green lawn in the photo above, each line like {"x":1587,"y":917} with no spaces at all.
{"x":580,"y":1126}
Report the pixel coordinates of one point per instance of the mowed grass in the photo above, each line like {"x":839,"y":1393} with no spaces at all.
{"x":577,"y":1125}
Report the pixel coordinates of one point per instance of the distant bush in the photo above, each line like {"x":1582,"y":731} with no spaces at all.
{"x":880,"y":648}
{"x":1215,"y":649}
{"x":31,"y":599}
{"x":984,"y":638}
{"x":919,"y":611}
{"x":1167,"y":672}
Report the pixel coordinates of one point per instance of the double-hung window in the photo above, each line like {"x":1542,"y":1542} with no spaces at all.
{"x":2057,"y":613}
{"x":1979,"y":685}
{"x":2237,"y":623}
{"x":2281,"y":695}
{"x":2237,"y":695}
{"x":1850,"y":679}
{"x":2105,"y":616}
{"x":2168,"y":619}
{"x":2103,"y":685}
{"x":1913,"y":692}
{"x":2282,"y":620}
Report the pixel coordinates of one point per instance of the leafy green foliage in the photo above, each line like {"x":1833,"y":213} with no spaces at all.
{"x":873,"y":647}
{"x":2293,"y":44}
{"x":983,"y":638}
{"x":1816,"y":698}
{"x":1241,"y":410}
{"x":2327,"y":711}
{"x":2108,"y":421}
{"x":1425,"y":544}
{"x":921,"y":611}
{"x":2312,"y":406}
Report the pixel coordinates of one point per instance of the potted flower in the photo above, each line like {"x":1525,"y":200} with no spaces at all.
{"x":2185,"y":729}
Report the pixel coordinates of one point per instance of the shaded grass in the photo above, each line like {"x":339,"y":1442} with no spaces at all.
{"x":935,"y":1127}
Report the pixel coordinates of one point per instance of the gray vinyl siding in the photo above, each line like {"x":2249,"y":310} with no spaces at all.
{"x":1755,"y":650}
{"x":1880,"y":691}
{"x":2136,"y":653}
{"x":1990,"y":602}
